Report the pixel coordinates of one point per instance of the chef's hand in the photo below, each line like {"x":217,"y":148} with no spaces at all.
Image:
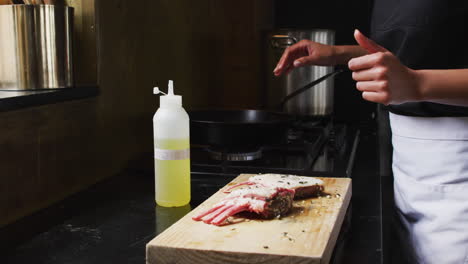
{"x":381,"y":77}
{"x":305,"y":52}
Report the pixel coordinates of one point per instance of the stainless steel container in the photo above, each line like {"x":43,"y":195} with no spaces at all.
{"x":35,"y":47}
{"x":318,"y":100}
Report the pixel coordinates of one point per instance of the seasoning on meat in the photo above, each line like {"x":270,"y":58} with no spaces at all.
{"x":304,"y":186}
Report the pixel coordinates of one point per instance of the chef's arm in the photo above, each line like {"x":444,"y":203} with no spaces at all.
{"x":443,"y":86}
{"x":307,"y":52}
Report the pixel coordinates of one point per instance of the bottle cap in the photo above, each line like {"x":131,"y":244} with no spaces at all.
{"x":170,"y":99}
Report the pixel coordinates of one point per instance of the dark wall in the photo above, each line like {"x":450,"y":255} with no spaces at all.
{"x":343,"y":16}
{"x":210,"y":48}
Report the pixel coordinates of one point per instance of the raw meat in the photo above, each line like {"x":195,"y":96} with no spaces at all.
{"x":266,"y":201}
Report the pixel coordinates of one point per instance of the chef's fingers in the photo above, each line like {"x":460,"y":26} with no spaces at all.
{"x":282,"y":63}
{"x":367,"y":43}
{"x":372,"y":86}
{"x":368,"y":61}
{"x":288,"y":70}
{"x":306,"y":60}
{"x":375,"y":73}
{"x":290,"y":54}
{"x":376,"y":97}
{"x":285,"y":62}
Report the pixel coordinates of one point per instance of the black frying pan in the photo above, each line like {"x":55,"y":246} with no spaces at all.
{"x":246,"y":128}
{"x":233,"y":128}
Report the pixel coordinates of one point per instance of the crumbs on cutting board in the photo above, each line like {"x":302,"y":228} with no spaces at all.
{"x":287,"y":236}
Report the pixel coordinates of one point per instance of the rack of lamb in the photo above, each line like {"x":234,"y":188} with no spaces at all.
{"x":268,"y":195}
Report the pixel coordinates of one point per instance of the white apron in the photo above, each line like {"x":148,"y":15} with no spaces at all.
{"x":430,"y":168}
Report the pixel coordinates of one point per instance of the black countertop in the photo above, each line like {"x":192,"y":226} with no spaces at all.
{"x":14,"y":100}
{"x":112,"y":221}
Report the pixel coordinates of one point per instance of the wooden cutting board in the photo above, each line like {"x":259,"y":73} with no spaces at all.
{"x":306,"y":235}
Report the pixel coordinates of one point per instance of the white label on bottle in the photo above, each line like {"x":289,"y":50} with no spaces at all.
{"x":171,"y":154}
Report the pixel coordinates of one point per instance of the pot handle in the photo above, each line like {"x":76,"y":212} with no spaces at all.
{"x":282,"y":41}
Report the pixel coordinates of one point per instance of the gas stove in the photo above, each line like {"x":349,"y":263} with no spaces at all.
{"x":313,"y":148}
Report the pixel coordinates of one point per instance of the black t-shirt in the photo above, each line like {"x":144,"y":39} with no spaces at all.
{"x":424,"y":34}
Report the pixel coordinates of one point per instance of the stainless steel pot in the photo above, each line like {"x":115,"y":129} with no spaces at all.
{"x":317,"y":101}
{"x":35,"y":47}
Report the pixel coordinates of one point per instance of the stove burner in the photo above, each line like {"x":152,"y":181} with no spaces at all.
{"x":311,"y":124}
{"x":235,"y":155}
{"x":295,"y":135}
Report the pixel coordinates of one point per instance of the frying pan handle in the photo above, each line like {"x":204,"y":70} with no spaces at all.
{"x":308,"y":86}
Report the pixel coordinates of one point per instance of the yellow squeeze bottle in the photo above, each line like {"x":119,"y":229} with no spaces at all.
{"x":171,"y":151}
